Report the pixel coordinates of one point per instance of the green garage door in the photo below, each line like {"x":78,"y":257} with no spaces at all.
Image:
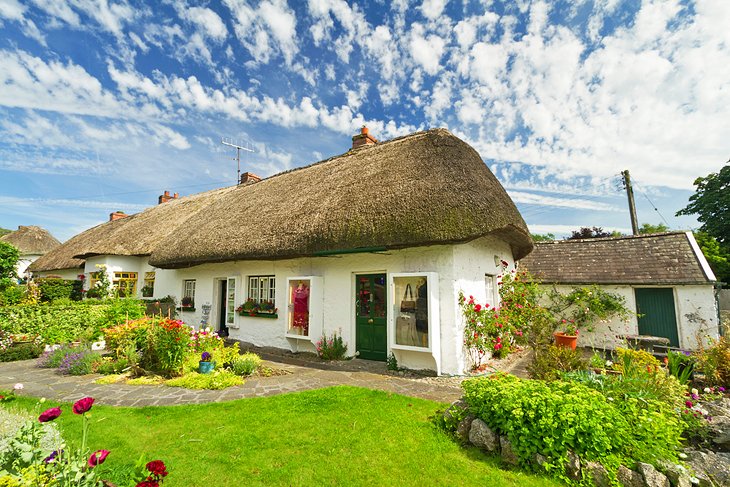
{"x":656,"y":309}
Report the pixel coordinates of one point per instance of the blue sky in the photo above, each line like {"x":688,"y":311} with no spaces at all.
{"x":105,"y":104}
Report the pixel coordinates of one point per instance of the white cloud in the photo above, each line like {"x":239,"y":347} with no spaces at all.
{"x":433,"y":8}
{"x":207,"y":21}
{"x":426,"y":50}
{"x":268,"y":29}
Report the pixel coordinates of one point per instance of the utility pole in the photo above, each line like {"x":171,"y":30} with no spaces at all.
{"x":229,"y":142}
{"x":632,"y":205}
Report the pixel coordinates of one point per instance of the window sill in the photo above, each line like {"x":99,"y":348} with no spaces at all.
{"x":258,"y":315}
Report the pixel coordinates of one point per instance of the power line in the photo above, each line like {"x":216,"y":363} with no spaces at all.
{"x":653,"y":206}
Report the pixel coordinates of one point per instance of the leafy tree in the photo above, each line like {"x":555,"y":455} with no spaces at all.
{"x":711,"y":202}
{"x":649,"y":228}
{"x":595,"y":232}
{"x":4,"y":231}
{"x":545,"y":237}
{"x":9,"y":256}
{"x":717,"y":256}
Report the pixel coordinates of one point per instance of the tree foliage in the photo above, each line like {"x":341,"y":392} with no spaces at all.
{"x":592,"y":232}
{"x":4,"y":231}
{"x":646,"y":228}
{"x":9,"y":256}
{"x":711,"y":204}
{"x":717,"y":256}
{"x":544,"y":237}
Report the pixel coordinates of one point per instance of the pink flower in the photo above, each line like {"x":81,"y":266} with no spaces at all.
{"x":49,"y":415}
{"x":83,"y":405}
{"x":478,"y":308}
{"x":98,"y":457}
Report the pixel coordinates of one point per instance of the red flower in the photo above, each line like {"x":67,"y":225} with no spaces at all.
{"x":148,"y":483}
{"x":157,"y":467}
{"x":49,"y":415}
{"x":688,"y":404}
{"x":83,"y":405}
{"x":478,"y":307}
{"x":98,"y":457}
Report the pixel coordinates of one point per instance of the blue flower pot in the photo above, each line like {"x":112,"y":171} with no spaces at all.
{"x":206,"y":367}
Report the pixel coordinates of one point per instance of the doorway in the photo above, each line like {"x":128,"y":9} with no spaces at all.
{"x":657,"y":317}
{"x":371,"y":335}
{"x":222,"y":327}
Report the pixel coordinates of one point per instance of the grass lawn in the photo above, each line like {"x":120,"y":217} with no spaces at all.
{"x":336,"y":436}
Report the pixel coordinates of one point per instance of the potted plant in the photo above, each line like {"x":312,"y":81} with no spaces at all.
{"x":568,"y":338}
{"x":267,"y":307}
{"x":187,"y":303}
{"x":250,"y":307}
{"x":206,"y":364}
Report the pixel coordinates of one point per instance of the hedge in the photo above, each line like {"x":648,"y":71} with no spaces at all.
{"x":62,"y":323}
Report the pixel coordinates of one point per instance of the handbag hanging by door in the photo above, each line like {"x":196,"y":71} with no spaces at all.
{"x":408,"y":304}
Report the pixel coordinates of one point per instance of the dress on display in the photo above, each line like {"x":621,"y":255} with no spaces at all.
{"x":300,"y":297}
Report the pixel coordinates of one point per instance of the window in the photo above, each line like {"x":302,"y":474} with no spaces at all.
{"x":231,"y":302}
{"x":149,"y":285}
{"x":492,"y":298}
{"x":125,"y":283}
{"x":411,"y":311}
{"x":299,"y":291}
{"x":262,"y":289}
{"x":188,"y":299}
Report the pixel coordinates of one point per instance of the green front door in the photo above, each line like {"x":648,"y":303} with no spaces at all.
{"x":656,"y":309}
{"x":371,"y":337}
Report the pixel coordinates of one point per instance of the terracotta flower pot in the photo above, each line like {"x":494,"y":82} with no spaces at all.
{"x":565,"y":341}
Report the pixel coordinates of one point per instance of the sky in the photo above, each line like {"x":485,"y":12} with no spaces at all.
{"x":105,"y":104}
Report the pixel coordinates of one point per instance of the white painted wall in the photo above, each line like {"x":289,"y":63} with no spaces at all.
{"x":695,"y":308}
{"x":21,"y":268}
{"x":69,"y":274}
{"x":459,"y":267}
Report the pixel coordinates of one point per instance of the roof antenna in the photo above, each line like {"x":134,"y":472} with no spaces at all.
{"x":236,"y":145}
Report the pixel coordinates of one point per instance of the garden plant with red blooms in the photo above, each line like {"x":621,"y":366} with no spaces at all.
{"x":83,"y":405}
{"x":49,"y":415}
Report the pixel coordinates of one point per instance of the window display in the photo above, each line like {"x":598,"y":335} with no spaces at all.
{"x":411,"y":303}
{"x":299,"y":291}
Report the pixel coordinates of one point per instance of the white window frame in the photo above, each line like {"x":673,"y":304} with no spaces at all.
{"x":261,"y":288}
{"x":189,"y":289}
{"x":491,"y":290}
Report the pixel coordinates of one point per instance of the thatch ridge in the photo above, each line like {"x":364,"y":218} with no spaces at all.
{"x":422,"y":189}
{"x":31,"y":240}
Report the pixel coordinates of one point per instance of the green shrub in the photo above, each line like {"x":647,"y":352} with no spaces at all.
{"x":121,"y":310}
{"x":550,"y":362}
{"x":53,"y":288}
{"x":551,"y":418}
{"x":81,"y":362}
{"x":714,"y":362}
{"x":245,"y":364}
{"x":54,"y":323}
{"x":21,"y":351}
{"x":167,"y":345}
{"x":12,"y":294}
{"x":218,"y":379}
{"x":109,"y":365}
{"x":630,"y":358}
{"x":332,"y":348}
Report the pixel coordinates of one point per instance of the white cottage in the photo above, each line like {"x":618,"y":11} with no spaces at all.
{"x":374,"y":244}
{"x":32,"y":242}
{"x":664,"y":278}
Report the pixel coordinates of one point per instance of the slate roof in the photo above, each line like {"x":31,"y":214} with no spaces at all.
{"x":667,"y":258}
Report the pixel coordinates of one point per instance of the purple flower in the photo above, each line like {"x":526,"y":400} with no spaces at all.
{"x":52,"y":457}
{"x":687,"y":354}
{"x":721,"y":389}
{"x":205,"y":357}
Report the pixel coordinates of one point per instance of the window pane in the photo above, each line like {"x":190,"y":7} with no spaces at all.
{"x":411,"y":311}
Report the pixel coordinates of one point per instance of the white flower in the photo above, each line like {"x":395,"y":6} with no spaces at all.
{"x":707,"y":390}
{"x":609,"y":363}
{"x":695,"y":391}
{"x":18,"y":387}
{"x":207,"y":329}
{"x":42,"y":400}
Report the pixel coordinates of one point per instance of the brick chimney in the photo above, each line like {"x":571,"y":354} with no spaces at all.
{"x":363,"y":138}
{"x":165,"y":197}
{"x":117,"y":215}
{"x":249,"y":178}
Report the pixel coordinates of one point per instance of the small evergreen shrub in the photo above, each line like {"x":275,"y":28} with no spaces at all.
{"x":21,"y":351}
{"x":53,"y":288}
{"x":246,"y":364}
{"x":552,"y":361}
{"x":332,"y":348}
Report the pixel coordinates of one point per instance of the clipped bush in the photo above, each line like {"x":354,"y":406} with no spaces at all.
{"x":218,"y":379}
{"x":550,"y":362}
{"x":21,"y":351}
{"x":53,"y":288}
{"x":551,"y":418}
{"x":246,"y":364}
{"x":54,"y":323}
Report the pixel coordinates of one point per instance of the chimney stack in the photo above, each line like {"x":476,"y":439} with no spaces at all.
{"x":249,"y":178}
{"x":117,"y":215}
{"x":165,"y":197}
{"x":363,"y":138}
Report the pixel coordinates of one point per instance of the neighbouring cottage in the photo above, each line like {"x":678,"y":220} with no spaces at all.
{"x":664,"y":278}
{"x":374,"y":244}
{"x":32,"y":242}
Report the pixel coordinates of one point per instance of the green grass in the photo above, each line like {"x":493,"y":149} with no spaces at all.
{"x":336,"y":436}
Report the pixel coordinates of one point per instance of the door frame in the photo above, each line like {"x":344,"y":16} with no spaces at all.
{"x":353,"y":307}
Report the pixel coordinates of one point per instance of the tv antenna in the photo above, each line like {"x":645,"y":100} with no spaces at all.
{"x":236,"y":145}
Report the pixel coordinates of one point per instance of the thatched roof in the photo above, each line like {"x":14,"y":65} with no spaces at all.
{"x":31,"y":240}
{"x":667,"y":258}
{"x":422,"y":189}
{"x":137,"y":234}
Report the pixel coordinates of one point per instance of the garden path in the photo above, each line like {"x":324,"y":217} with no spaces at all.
{"x":50,"y":384}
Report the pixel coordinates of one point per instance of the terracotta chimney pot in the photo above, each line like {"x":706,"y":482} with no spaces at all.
{"x":363,"y":138}
{"x":117,"y":215}
{"x":165,"y":197}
